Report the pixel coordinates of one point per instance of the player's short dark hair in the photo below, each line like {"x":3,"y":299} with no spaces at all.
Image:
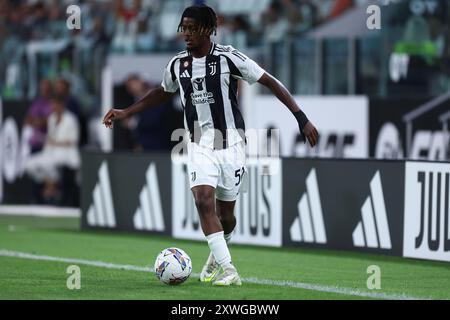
{"x":204,"y":15}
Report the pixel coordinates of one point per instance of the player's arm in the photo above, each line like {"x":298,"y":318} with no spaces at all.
{"x":306,"y":127}
{"x":153,"y":98}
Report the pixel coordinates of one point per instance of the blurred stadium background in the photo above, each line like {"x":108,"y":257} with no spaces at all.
{"x":375,"y":191}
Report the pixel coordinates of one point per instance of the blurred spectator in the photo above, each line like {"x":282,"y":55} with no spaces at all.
{"x":126,"y":14}
{"x":340,"y":7}
{"x":309,"y":15}
{"x":145,"y":38}
{"x":127,"y":10}
{"x":60,"y":150}
{"x":124,"y":133}
{"x":36,"y":21}
{"x":38,"y":114}
{"x":292,"y":13}
{"x":439,"y":35}
{"x":223,"y":30}
{"x":149,"y":127}
{"x":98,"y":35}
{"x":417,"y":40}
{"x":62,"y":90}
{"x":150,"y":130}
{"x":417,"y":30}
{"x":323,"y":9}
{"x":239,"y":28}
{"x":56,"y":22}
{"x":35,"y":41}
{"x":275,"y":27}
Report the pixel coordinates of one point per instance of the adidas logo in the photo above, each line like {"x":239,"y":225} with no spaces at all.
{"x":101,"y":212}
{"x":373,"y":230}
{"x":185,"y":74}
{"x":309,"y":226}
{"x":149,"y":215}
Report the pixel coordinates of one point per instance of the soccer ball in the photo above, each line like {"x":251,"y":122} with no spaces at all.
{"x":173,"y":266}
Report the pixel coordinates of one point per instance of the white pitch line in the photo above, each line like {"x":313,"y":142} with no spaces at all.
{"x":278,"y":283}
{"x":40,"y":211}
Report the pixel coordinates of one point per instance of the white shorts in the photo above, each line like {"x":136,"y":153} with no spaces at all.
{"x":222,"y":169}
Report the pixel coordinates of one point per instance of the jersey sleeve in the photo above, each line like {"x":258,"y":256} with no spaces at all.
{"x":169,"y":82}
{"x":246,"y":68}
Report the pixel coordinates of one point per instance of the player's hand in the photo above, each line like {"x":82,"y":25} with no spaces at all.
{"x":113,"y":115}
{"x":310,"y":133}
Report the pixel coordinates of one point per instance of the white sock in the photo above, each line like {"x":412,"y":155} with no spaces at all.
{"x":219,"y":249}
{"x":228,"y":237}
{"x":227,"y":240}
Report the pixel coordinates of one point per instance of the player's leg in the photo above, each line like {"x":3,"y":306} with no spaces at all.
{"x":225,"y":203}
{"x":204,"y":196}
{"x":225,"y":212}
{"x":204,"y":172}
{"x":232,"y":163}
{"x":229,"y":185}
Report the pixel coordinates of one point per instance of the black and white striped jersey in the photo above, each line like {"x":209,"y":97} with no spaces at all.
{"x":208,"y":91}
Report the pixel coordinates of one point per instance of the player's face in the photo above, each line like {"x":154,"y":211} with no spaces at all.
{"x":192,"y":34}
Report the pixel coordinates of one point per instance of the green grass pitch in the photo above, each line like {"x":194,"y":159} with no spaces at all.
{"x":268,"y":273}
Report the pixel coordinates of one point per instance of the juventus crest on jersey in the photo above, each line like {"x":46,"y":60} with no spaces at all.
{"x":208,"y":90}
